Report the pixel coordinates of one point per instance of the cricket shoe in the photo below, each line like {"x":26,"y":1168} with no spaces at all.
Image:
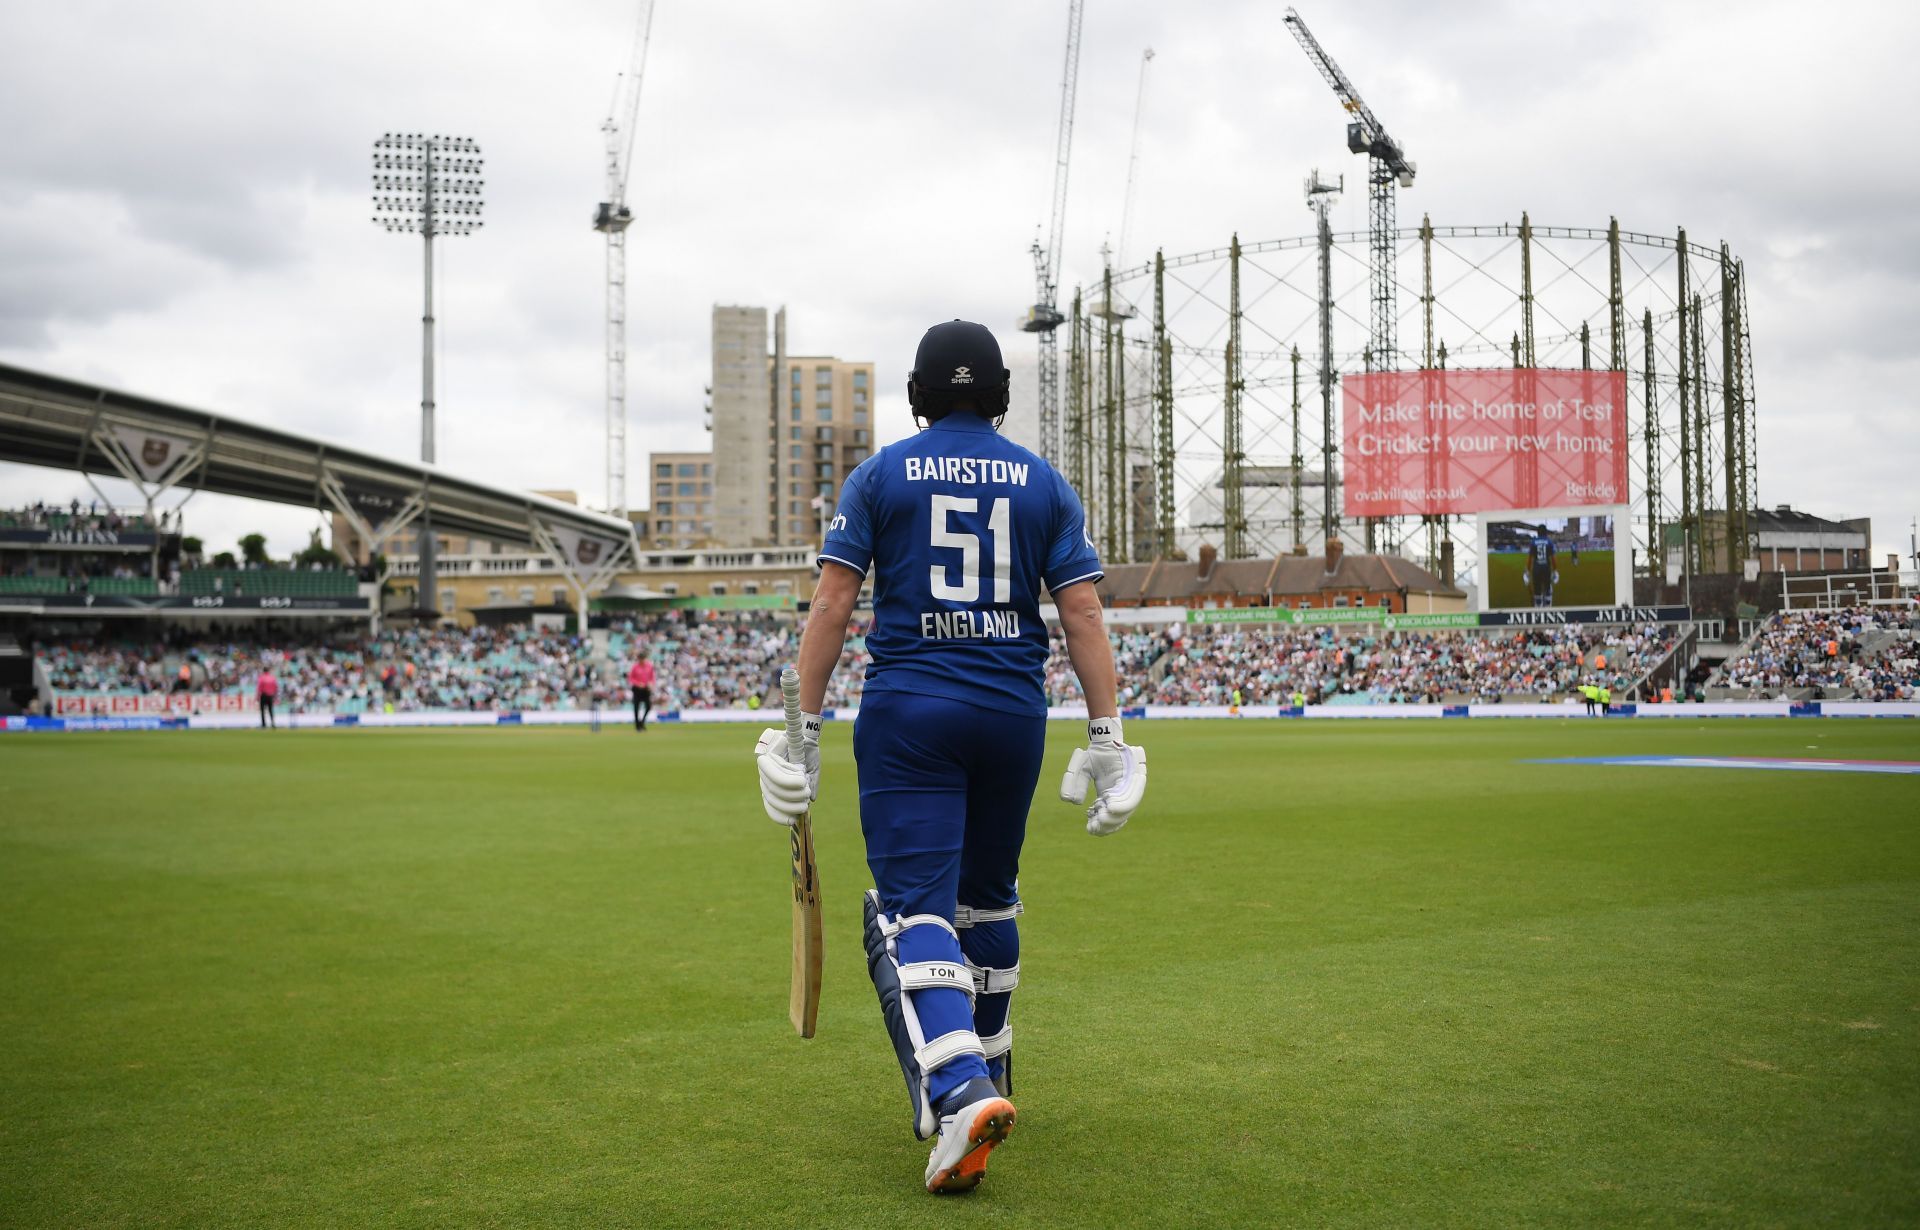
{"x":980,"y":1119}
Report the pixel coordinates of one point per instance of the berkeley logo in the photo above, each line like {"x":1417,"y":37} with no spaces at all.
{"x":963,"y":375}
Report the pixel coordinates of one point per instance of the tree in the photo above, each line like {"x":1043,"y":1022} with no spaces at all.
{"x":192,"y":547}
{"x":224,"y":560}
{"x":253,"y":549}
{"x":314,"y":553}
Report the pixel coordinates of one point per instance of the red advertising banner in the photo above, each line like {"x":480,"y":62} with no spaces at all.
{"x":1483,"y":440}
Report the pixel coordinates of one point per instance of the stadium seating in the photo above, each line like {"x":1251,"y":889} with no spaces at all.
{"x":1264,"y":666}
{"x":43,"y":516}
{"x":707,"y":661}
{"x":33,"y":585}
{"x":1860,"y":653}
{"x":269,"y":582}
{"x":136,"y":587}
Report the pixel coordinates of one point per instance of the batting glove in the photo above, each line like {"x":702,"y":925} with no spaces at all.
{"x":786,"y":787}
{"x":1116,"y":771}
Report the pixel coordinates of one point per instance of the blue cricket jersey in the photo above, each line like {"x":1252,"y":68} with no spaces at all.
{"x":961,"y":527}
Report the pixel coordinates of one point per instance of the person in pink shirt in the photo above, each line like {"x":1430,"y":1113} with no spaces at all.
{"x":265,"y":688}
{"x":640,"y":679}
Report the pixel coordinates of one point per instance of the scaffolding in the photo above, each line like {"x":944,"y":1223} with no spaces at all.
{"x":1195,"y":430}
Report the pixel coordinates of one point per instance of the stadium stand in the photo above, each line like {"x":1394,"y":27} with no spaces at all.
{"x":713,"y":662}
{"x":1181,"y":666}
{"x":31,"y":583}
{"x":270,"y":582}
{"x":75,"y":516}
{"x":702,"y":664}
{"x":473,"y":668}
{"x":1855,"y":653}
{"x":719,"y":664}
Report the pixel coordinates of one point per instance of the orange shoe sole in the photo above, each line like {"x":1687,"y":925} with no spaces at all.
{"x":990,"y":1128}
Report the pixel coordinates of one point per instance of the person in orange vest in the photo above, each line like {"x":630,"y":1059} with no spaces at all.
{"x":1666,"y":694}
{"x":183,"y":682}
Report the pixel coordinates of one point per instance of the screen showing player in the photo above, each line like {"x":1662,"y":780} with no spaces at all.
{"x":1551,"y":562}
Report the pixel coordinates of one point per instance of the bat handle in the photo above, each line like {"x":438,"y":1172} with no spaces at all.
{"x":790,"y":693}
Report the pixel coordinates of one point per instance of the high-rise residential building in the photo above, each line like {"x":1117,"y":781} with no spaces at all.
{"x":742,"y":401}
{"x":778,"y":462}
{"x":681,"y":501}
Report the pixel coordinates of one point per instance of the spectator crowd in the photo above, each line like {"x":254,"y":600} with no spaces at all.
{"x":702,"y":663}
{"x":1265,"y":666}
{"x":1860,"y":653}
{"x":76,"y":516}
{"x":732,"y":660}
{"x":459,"y":668}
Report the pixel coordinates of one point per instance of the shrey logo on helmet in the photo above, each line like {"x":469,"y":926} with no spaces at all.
{"x":963,"y":375}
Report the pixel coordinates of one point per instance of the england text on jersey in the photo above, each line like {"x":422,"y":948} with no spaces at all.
{"x":970,"y":625}
{"x":966,"y":470}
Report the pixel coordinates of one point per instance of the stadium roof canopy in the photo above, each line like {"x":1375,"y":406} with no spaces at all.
{"x":73,"y":425}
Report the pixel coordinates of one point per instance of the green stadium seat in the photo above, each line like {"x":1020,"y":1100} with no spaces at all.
{"x":33,"y":585}
{"x":270,"y":582}
{"x":136,"y":587}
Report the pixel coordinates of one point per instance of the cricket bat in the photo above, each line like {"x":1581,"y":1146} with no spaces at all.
{"x":803,"y":1001}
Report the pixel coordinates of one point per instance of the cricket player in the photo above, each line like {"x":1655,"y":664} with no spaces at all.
{"x":959,"y":529}
{"x":1540,"y":572}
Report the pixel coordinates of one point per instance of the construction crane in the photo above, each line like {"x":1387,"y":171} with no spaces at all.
{"x":1133,"y":160}
{"x":1388,"y":167}
{"x":612,"y":219}
{"x":1044,"y":316}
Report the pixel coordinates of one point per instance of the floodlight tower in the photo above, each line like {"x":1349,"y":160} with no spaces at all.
{"x":612,"y":219}
{"x":1320,"y":198}
{"x":427,"y":186}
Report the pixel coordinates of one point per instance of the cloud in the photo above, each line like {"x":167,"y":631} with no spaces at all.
{"x":183,"y":210}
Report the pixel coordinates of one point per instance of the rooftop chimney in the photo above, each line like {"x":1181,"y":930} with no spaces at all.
{"x":1335,"y":549}
{"x":1446,"y":561}
{"x":1208,"y":557}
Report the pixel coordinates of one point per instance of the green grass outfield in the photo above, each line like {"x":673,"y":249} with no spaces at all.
{"x":1336,"y":973}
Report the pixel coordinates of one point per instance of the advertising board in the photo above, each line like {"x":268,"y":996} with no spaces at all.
{"x":1483,"y":440}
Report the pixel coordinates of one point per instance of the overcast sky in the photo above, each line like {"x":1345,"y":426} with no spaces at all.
{"x":184,"y":214}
